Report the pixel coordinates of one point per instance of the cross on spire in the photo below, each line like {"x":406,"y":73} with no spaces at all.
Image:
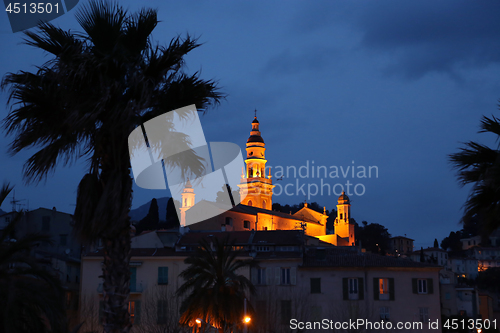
{"x":255,"y":113}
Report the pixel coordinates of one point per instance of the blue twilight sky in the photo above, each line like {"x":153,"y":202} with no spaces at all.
{"x":392,"y":84}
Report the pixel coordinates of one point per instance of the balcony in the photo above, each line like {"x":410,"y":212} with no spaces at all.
{"x":136,"y":288}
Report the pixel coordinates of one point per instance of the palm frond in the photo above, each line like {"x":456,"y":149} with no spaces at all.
{"x":213,"y":287}
{"x":4,"y":191}
{"x":491,"y":125}
{"x":138,"y":29}
{"x":53,"y":40}
{"x":103,"y":21}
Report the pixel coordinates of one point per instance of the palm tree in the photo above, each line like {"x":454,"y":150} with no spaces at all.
{"x":479,"y":165}
{"x":215,"y":290}
{"x":32,"y":297}
{"x":99,"y":86}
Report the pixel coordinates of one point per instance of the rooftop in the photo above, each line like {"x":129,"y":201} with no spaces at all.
{"x":351,"y":257}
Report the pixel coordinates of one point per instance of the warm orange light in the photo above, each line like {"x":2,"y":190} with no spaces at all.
{"x":247,"y":319}
{"x":198,"y":320}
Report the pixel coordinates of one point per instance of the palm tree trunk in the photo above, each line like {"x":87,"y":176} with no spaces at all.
{"x":116,"y":286}
{"x":116,"y":269}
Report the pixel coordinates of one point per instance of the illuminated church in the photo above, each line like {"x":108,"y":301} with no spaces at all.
{"x":255,"y":210}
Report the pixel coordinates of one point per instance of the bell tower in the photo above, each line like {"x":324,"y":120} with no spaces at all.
{"x":187,"y":201}
{"x":255,"y":187}
{"x":343,"y":227}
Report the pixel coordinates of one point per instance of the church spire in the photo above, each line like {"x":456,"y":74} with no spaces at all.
{"x":254,"y":184}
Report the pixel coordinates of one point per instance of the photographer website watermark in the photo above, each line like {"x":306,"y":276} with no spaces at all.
{"x":310,"y":180}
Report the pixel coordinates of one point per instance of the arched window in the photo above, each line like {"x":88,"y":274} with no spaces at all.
{"x":341,"y":216}
{"x":250,"y":203}
{"x":264,"y":204}
{"x":185,"y":202}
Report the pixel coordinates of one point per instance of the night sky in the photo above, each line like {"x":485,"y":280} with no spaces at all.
{"x":392,"y":84}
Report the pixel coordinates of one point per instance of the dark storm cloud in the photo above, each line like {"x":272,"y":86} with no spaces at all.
{"x":433,"y":36}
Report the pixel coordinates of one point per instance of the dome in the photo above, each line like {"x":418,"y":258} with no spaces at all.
{"x":255,"y":133}
{"x":188,"y":184}
{"x":255,"y":138}
{"x":344,"y":199}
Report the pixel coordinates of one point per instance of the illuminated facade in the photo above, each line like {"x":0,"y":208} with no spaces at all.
{"x":343,"y":226}
{"x":258,"y":187}
{"x":187,"y":197}
{"x":255,"y":211}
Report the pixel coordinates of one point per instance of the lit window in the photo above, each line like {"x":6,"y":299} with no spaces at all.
{"x":131,"y":311}
{"x":383,"y":289}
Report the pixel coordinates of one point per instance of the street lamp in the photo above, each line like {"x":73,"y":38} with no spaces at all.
{"x":198,"y":322}
{"x":246,"y":318}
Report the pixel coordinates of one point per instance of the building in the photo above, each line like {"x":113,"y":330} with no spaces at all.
{"x":297,"y":277}
{"x":62,"y":255}
{"x":486,"y":256}
{"x":255,"y":211}
{"x":433,"y":255}
{"x":464,"y":267}
{"x":459,"y":299}
{"x":470,"y":242}
{"x":401,"y":245}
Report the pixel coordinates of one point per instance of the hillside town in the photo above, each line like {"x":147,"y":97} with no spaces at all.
{"x":304,"y":271}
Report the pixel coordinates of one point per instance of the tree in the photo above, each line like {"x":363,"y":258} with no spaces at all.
{"x":160,"y":312}
{"x":436,"y":244}
{"x":489,"y":280}
{"x":452,"y":242}
{"x":32,"y":297}
{"x":96,"y":89}
{"x":222,"y":197}
{"x":172,"y":216}
{"x":214,"y":287}
{"x":373,"y":237}
{"x":150,"y":221}
{"x":479,"y":165}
